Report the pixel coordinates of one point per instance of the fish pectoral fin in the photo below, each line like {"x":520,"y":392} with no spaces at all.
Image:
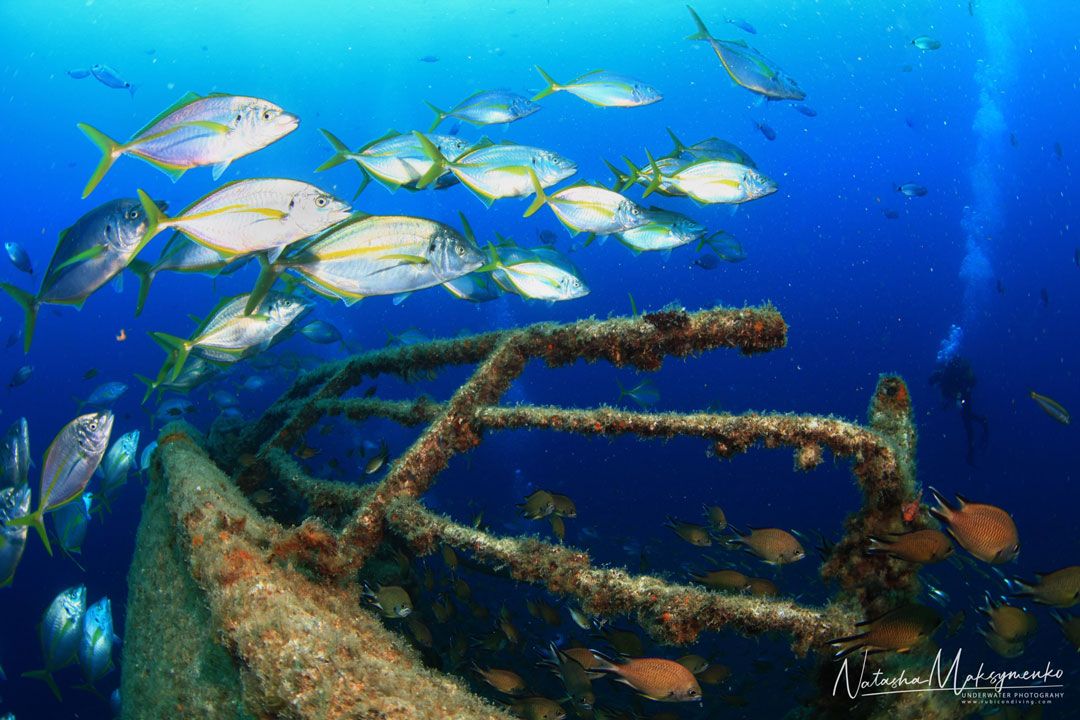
{"x":210,"y":125}
{"x":88,"y":254}
{"x":268,"y":213}
{"x":220,"y":168}
{"x":186,"y":99}
{"x":407,"y":259}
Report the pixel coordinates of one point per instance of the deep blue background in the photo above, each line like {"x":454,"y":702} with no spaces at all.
{"x":862,"y":294}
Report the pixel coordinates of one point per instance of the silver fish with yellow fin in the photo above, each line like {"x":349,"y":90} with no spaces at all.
{"x":90,"y":253}
{"x":249,"y":216}
{"x":395,"y":160}
{"x":487,"y":107}
{"x":380,"y":255}
{"x":195,"y":132}
{"x":70,"y":462}
{"x":492,"y":171}
{"x":60,"y":632}
{"x":1051,"y":407}
{"x":748,"y":67}
{"x":588,"y":208}
{"x":603,"y":89}
{"x":229,"y":335}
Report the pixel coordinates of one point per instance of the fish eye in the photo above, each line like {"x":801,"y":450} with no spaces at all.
{"x":692,"y":693}
{"x":320,"y":201}
{"x":461,"y":250}
{"x":133,"y":214}
{"x":268,"y":115}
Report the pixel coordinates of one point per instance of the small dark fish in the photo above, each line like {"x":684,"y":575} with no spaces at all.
{"x":547,"y":237}
{"x":906,"y":68}
{"x":321,"y":332}
{"x":772,"y":545}
{"x":1051,"y":407}
{"x":110,"y":78}
{"x":1076,"y":257}
{"x":919,"y":546}
{"x":743,"y":25}
{"x":691,"y":533}
{"x":971,"y":8}
{"x":455,"y":130}
{"x":370,"y":392}
{"x":766,"y":130}
{"x":1013,"y":141}
{"x":1060,"y":588}
{"x":21,"y":376}
{"x":18,"y":256}
{"x":1058,"y":151}
{"x":1045,"y":297}
{"x":985,"y":531}
{"x":90,"y":374}
{"x":897,"y":630}
{"x":1000,"y":287}
{"x":912,"y":190}
{"x":13,"y":338}
{"x":708,"y":261}
{"x":537,"y":506}
{"x":430,"y":59}
{"x":376,"y":462}
{"x":891,"y":214}
{"x":806,"y":110}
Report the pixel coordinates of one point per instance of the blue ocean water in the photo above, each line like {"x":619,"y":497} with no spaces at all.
{"x":985,"y":123}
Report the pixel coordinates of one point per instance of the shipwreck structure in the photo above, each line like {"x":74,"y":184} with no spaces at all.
{"x":233,"y":614}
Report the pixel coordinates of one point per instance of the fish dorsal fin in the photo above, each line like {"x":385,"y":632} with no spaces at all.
{"x":679,"y":145}
{"x":186,"y":99}
{"x":176,"y":242}
{"x":312,"y":248}
{"x":212,"y":315}
{"x":589,"y":74}
{"x":391,"y":133}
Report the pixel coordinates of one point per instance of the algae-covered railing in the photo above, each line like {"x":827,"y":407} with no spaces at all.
{"x":285,"y":598}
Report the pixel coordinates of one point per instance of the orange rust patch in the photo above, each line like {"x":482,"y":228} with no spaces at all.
{"x":223,"y":536}
{"x":172,"y":437}
{"x":197,"y":541}
{"x":237,"y":564}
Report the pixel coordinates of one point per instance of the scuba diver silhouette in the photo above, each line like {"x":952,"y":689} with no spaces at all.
{"x":956,"y":380}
